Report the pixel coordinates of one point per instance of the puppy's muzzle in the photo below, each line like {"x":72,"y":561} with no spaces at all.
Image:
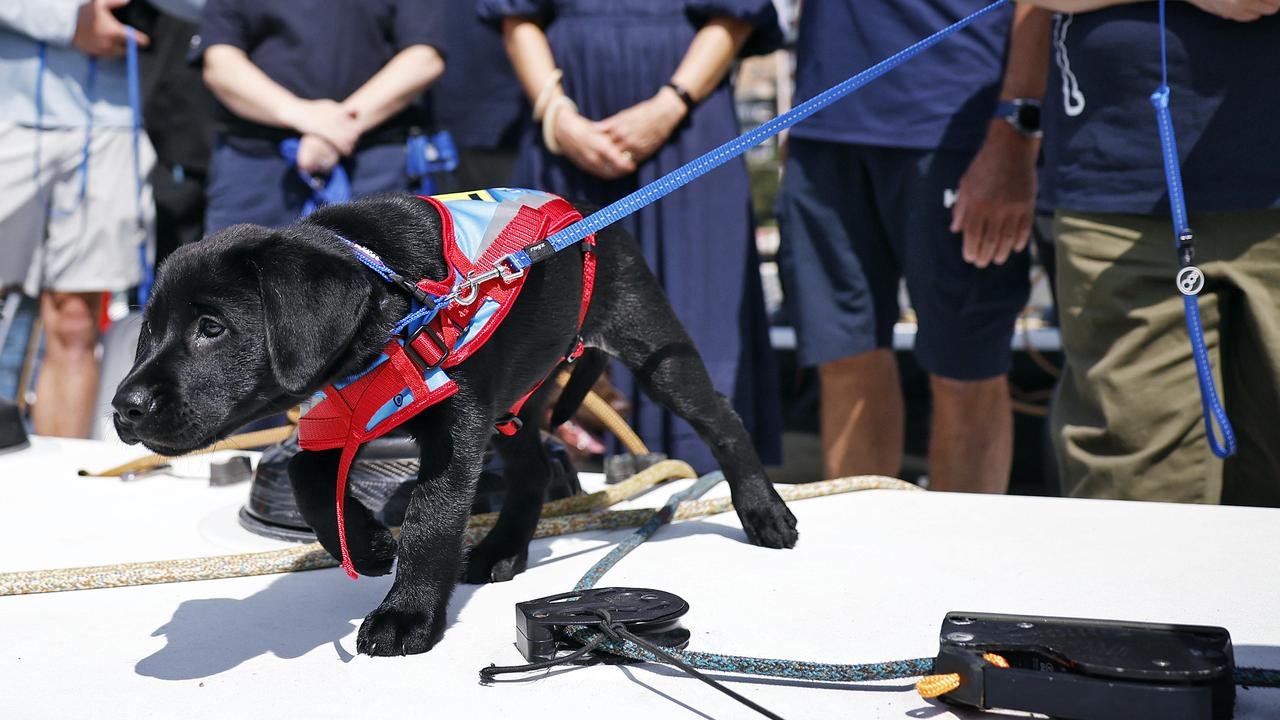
{"x":132,"y":405}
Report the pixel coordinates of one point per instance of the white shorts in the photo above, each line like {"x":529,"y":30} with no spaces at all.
{"x":51,"y":237}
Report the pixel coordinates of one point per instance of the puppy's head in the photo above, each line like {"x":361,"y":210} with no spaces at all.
{"x":238,"y":326}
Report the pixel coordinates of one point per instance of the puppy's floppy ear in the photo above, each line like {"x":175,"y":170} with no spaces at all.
{"x":314,"y":303}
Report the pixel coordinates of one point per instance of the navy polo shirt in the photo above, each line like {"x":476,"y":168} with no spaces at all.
{"x":318,"y":49}
{"x":943,"y":98}
{"x":1101,"y":145}
{"x":478,"y":99}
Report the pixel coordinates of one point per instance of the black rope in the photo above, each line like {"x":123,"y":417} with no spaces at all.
{"x":487,"y":674}
{"x":617,"y":632}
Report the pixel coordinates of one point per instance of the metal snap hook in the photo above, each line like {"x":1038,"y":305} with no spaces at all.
{"x":468,"y":294}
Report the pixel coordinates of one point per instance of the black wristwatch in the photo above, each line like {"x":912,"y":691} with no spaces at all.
{"x":1021,"y":113}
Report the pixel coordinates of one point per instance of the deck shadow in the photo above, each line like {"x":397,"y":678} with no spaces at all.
{"x":292,"y":616}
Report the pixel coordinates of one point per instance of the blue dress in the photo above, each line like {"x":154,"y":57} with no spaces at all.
{"x":700,"y":240}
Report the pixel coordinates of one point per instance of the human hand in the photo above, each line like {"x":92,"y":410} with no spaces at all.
{"x":642,"y":128}
{"x":588,"y":147}
{"x":1238,"y":10}
{"x":316,"y":156}
{"x":99,"y":33}
{"x":995,"y":201}
{"x":328,"y":120}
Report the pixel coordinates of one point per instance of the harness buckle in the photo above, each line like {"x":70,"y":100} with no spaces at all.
{"x":417,"y":358}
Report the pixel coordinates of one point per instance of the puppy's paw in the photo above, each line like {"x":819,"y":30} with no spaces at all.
{"x":769,"y":523}
{"x":375,"y":555}
{"x":482,"y":567}
{"x":390,"y":630}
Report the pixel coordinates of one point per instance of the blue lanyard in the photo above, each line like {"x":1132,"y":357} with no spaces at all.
{"x":135,"y":105}
{"x":1190,"y":279}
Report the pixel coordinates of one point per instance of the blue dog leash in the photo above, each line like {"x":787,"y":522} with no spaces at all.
{"x":1190,"y":279}
{"x":337,"y":189}
{"x":135,"y":106}
{"x":514,"y":265}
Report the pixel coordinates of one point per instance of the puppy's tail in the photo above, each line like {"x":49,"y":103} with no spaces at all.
{"x":586,"y":370}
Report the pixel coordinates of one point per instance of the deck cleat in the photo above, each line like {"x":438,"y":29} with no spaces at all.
{"x":542,"y":625}
{"x":1094,"y":669}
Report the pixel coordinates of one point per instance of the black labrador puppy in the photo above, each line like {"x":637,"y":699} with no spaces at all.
{"x":253,"y":320}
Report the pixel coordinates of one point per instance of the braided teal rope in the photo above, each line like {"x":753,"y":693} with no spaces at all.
{"x":793,"y":669}
{"x":1256,"y":677}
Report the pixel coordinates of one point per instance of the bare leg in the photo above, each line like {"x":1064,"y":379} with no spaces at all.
{"x":971,"y":438}
{"x":67,"y":387}
{"x":862,"y":415}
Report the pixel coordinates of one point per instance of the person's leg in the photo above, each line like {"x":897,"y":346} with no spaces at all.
{"x":861,"y":415}
{"x":1247,"y":244}
{"x":250,"y":183}
{"x":67,"y":386}
{"x":22,"y":200}
{"x":1126,"y":420}
{"x":966,"y":317}
{"x":843,"y":315}
{"x":971,"y":435}
{"x":378,"y":169}
{"x":93,"y":245}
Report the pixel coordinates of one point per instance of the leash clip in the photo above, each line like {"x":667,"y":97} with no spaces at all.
{"x":1099,"y":669}
{"x":470,"y":287}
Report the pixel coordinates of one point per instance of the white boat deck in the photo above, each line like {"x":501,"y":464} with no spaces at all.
{"x":871,"y":579}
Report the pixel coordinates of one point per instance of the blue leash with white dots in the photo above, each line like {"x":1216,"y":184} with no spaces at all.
{"x":1190,"y":279}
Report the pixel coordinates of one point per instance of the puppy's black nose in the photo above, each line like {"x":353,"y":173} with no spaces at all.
{"x":133,"y":403}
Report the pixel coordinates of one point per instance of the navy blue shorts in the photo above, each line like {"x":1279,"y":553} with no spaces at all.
{"x":249,"y":182}
{"x":855,"y":220}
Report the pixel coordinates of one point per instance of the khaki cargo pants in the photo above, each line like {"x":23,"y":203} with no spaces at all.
{"x":1127,"y":421}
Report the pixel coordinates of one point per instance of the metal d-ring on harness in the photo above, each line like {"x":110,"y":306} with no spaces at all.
{"x":1190,"y":279}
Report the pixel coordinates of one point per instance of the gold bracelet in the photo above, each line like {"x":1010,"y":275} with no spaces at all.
{"x":544,"y":95}
{"x":549,"y":122}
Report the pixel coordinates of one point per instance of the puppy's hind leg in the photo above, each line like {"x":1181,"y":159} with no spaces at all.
{"x":667,"y":366}
{"x":314,"y":477}
{"x":504,"y":551}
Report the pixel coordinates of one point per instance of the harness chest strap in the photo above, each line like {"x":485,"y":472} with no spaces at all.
{"x":510,"y":423}
{"x":409,"y":376}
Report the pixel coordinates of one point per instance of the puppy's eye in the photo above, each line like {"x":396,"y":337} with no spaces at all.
{"x":211,"y":328}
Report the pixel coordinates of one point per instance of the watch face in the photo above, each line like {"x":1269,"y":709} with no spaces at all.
{"x":1027,"y":117}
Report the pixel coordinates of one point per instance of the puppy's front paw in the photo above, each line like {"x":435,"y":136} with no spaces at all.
{"x":483,"y":567}
{"x":769,"y":523}
{"x":390,"y":630}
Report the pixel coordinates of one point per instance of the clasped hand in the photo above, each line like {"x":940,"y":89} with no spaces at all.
{"x":329,"y":133}
{"x":614,"y":147}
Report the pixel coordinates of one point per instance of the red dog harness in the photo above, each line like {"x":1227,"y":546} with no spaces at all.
{"x":479,"y":229}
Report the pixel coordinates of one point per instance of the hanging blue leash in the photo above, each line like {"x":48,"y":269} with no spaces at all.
{"x":1190,"y":279}
{"x":90,"y":85}
{"x":135,"y":105}
{"x":335,"y":189}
